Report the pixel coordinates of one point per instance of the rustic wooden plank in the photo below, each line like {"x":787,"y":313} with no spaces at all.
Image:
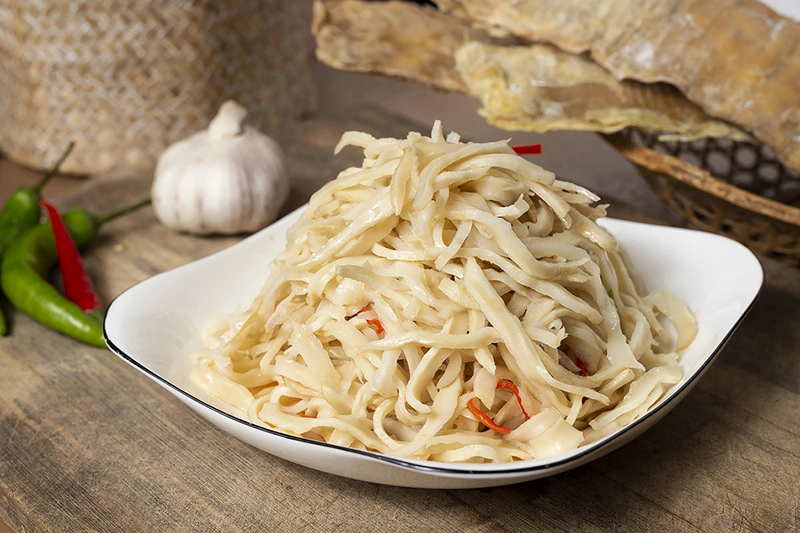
{"x":88,"y":443}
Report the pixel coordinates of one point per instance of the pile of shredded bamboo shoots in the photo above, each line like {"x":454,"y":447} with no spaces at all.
{"x":448,"y":301}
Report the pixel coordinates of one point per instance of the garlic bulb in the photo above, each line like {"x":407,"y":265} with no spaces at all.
{"x":227,"y":179}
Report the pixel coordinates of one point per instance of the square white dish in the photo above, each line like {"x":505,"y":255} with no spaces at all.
{"x":156,"y":324}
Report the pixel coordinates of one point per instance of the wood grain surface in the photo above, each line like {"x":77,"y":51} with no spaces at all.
{"x":87,"y":443}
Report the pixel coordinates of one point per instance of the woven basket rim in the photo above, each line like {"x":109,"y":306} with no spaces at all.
{"x":702,"y":180}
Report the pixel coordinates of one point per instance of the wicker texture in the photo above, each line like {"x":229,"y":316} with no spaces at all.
{"x":126,"y":78}
{"x":735,"y":189}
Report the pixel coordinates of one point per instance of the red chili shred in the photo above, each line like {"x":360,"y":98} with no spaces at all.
{"x":509,"y":386}
{"x":377,"y":323}
{"x":581,"y":364}
{"x":486,"y":419}
{"x":528,"y":149}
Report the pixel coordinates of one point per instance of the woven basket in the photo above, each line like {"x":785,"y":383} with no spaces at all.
{"x":126,"y":78}
{"x":735,"y":189}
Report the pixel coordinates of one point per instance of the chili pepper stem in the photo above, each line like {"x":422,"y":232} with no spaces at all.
{"x":124,"y":211}
{"x":53,"y":171}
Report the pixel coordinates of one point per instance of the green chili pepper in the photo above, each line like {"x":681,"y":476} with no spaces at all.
{"x":28,"y":262}
{"x":21,"y":213}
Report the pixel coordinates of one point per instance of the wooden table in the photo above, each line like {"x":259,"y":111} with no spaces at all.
{"x":89,"y":444}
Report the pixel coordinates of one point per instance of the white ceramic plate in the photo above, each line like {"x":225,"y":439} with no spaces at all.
{"x":156,"y":324}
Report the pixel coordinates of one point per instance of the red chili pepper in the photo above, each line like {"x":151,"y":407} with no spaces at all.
{"x":528,"y":149}
{"x":581,"y":364}
{"x":77,"y":285}
{"x":484,"y":418}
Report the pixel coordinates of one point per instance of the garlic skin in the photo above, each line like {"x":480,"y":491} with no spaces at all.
{"x":225,"y":180}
